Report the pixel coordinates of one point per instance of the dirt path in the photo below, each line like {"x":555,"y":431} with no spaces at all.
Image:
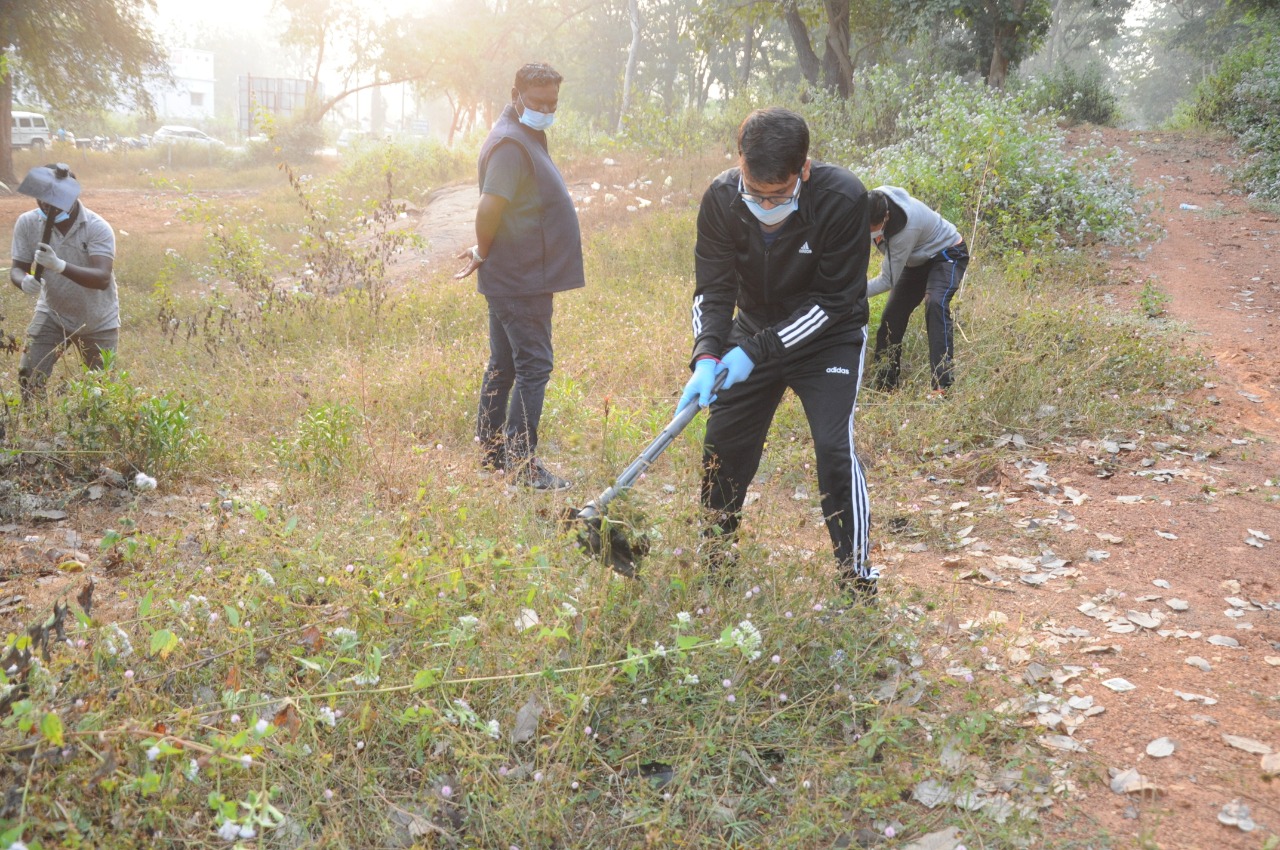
{"x":1130,"y":567}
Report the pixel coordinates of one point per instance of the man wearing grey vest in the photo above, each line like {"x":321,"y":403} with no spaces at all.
{"x":528,"y":247}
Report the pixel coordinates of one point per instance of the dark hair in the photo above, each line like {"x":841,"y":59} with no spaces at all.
{"x":773,"y":144}
{"x":877,"y":206}
{"x":536,"y":74}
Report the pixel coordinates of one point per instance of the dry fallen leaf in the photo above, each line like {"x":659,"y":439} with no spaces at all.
{"x":526,"y":725}
{"x":1131,"y":782}
{"x":1249,"y":745}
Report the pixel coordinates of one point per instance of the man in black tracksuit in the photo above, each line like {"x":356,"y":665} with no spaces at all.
{"x":785,"y":241}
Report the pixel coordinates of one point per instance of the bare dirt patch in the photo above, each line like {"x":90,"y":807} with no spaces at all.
{"x":1166,"y":585}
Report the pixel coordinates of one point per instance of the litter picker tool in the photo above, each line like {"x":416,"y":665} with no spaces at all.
{"x":604,"y":538}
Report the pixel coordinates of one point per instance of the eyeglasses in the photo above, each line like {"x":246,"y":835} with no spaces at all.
{"x":773,"y":200}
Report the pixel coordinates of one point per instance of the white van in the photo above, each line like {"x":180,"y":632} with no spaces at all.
{"x":30,"y":130}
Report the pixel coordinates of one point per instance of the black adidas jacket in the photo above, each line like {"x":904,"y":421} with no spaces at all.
{"x":810,"y":281}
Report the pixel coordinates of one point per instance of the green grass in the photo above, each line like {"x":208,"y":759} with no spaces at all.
{"x":337,"y":611}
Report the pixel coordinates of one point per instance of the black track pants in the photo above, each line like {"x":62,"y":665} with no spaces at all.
{"x":826,"y":380}
{"x":935,"y":283}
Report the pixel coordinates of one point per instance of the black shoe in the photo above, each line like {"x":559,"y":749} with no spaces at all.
{"x":537,"y":477}
{"x":862,"y":586}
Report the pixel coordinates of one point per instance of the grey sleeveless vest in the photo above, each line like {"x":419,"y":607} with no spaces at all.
{"x":538,"y":247}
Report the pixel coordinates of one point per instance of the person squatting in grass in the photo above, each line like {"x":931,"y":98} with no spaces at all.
{"x":925,"y":260}
{"x":528,"y":247}
{"x":76,"y":298}
{"x":783,"y":241}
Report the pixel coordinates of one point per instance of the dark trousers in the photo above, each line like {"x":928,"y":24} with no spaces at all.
{"x":826,"y":381}
{"x":515,"y":381}
{"x":935,"y":283}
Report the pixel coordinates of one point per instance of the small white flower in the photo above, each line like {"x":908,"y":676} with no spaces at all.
{"x":229,"y":831}
{"x":495,"y":731}
{"x":261,"y":726}
{"x":153,"y":753}
{"x":246,"y":760}
{"x":684,"y":617}
{"x":144,"y":482}
{"x":326,"y":716}
{"x":191,"y":771}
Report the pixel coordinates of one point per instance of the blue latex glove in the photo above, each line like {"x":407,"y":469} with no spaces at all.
{"x":699,"y":386}
{"x":738,"y":365}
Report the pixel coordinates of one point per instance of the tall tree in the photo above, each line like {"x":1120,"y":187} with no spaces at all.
{"x":985,"y":36}
{"x":1078,"y":27}
{"x":363,"y":50}
{"x":75,"y":56}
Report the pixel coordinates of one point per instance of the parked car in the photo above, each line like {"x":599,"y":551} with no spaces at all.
{"x":171,"y":134}
{"x":30,"y":130}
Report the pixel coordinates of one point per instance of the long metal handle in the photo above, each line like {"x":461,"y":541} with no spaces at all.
{"x":651,"y":453}
{"x":36,"y":270}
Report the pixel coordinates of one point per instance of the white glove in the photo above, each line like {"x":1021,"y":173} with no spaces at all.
{"x":30,"y":285}
{"x":51,"y":261}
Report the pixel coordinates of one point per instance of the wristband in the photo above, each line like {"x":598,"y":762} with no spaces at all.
{"x":475,"y":255}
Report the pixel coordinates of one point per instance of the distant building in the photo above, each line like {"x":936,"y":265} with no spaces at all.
{"x":278,"y":97}
{"x":191,"y":95}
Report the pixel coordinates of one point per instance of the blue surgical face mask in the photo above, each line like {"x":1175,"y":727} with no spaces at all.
{"x":58,"y":219}
{"x":778,"y":214}
{"x":535,"y":120}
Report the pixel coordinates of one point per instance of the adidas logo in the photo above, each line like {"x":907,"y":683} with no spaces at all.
{"x":837,"y":370}
{"x":804,"y":249}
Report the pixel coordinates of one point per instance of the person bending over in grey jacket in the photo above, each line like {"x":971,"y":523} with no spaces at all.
{"x":924,"y":260}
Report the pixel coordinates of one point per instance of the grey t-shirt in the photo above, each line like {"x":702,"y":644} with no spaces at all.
{"x":74,"y":307}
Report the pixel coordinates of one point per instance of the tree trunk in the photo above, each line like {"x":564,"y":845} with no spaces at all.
{"x":633,"y":53}
{"x":1005,"y":33}
{"x":807,"y":59}
{"x":7,"y":177}
{"x":837,"y":68}
{"x":748,"y":55}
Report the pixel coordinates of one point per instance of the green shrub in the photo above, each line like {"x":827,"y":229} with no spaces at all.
{"x":108,"y":420}
{"x":848,"y":130}
{"x":416,"y":166}
{"x":977,"y":154}
{"x":1257,"y":123}
{"x":1080,"y":96}
{"x":323,"y":440}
